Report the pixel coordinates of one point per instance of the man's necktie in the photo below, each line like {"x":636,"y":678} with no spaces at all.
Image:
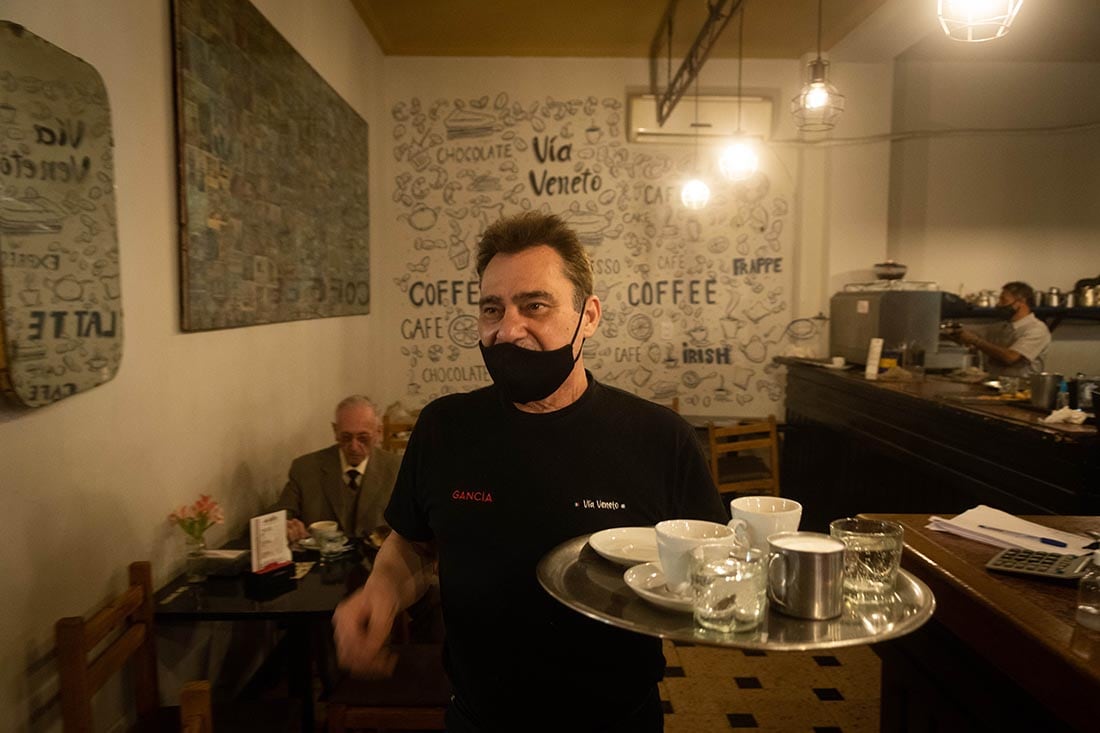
{"x":353,"y":476}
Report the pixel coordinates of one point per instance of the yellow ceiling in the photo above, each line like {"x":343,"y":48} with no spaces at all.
{"x":596,"y":28}
{"x":1045,"y":30}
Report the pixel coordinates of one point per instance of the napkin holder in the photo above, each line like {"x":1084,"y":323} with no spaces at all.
{"x":269,"y":582}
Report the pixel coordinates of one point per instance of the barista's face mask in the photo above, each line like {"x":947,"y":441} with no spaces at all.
{"x":1007,"y":311}
{"x":526,"y":375}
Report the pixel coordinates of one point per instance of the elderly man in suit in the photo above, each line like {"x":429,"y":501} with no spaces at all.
{"x":349,"y":482}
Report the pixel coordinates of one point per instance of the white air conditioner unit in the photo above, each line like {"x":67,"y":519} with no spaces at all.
{"x":717,"y":119}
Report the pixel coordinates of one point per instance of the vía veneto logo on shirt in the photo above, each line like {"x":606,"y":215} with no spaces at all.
{"x":484,"y":497}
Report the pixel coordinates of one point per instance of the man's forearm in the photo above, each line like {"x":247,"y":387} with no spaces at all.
{"x":1000,"y":353}
{"x":406,"y":567}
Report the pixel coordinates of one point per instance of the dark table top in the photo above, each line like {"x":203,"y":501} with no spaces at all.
{"x":229,"y":598}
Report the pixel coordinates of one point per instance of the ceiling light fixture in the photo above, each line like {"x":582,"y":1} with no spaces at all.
{"x":976,"y":21}
{"x":739,"y":160}
{"x":817,"y":107}
{"x":695,"y":194}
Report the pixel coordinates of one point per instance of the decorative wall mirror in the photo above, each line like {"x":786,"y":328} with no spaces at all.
{"x":61,"y":324}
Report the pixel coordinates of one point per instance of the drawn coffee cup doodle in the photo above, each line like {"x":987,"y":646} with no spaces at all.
{"x":463,"y":331}
{"x":459,"y":254}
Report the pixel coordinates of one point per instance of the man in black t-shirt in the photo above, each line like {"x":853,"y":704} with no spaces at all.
{"x":494,"y":479}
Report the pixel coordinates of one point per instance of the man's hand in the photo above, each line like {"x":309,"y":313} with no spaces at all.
{"x":965,"y":337}
{"x":362,"y":625}
{"x":295,"y":530}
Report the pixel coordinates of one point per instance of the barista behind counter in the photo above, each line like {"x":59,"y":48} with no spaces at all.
{"x":1016,"y":348}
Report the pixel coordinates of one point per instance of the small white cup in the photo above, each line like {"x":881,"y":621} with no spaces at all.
{"x":675,"y":540}
{"x":319,"y":530}
{"x":756,"y":517}
{"x":838,"y":361}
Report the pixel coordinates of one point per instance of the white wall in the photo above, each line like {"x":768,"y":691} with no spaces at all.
{"x":972,"y":212}
{"x":88,"y":481}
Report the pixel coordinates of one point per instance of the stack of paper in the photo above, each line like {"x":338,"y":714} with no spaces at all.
{"x":970,"y":524}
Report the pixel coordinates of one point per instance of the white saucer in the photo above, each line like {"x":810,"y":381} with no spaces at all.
{"x":626,"y":545}
{"x":830,"y":365}
{"x":310,"y":544}
{"x":648,"y":581}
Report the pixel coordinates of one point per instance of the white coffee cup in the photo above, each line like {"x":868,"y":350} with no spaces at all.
{"x":756,"y":517}
{"x":838,"y":361}
{"x":675,"y":540}
{"x":319,"y":530}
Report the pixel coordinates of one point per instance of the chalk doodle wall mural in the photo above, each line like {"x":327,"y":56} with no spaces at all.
{"x":695,"y":303}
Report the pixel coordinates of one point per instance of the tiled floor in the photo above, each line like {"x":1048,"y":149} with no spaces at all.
{"x":710,"y":689}
{"x":715,"y":690}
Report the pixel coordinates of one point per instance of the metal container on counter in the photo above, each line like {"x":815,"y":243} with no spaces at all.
{"x":1044,"y":389}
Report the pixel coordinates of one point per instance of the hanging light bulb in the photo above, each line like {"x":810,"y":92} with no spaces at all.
{"x":695,"y":194}
{"x":975,"y":21}
{"x":818,"y":106}
{"x":739,"y":160}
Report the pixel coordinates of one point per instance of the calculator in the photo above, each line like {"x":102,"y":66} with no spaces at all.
{"x":1037,"y":564}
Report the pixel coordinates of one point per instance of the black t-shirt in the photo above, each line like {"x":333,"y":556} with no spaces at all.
{"x":496,"y":489}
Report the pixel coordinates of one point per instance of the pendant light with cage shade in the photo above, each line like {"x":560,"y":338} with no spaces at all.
{"x":976,"y":21}
{"x":696,"y":193}
{"x":817,"y":107}
{"x":739,"y":160}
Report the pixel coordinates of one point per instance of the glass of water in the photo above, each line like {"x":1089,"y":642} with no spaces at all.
{"x":872,"y":555}
{"x":729,"y":587}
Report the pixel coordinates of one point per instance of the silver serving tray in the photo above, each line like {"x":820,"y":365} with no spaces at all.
{"x":578,"y":577}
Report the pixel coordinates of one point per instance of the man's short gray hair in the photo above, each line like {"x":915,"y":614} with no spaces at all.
{"x":357,"y":400}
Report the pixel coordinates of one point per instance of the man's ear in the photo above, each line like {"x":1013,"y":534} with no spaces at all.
{"x":593,"y":309}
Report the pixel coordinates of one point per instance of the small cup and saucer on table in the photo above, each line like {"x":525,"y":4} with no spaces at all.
{"x":327,"y":538}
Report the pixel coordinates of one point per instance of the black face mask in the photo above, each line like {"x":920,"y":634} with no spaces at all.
{"x":1005,"y":312}
{"x":525,"y":375}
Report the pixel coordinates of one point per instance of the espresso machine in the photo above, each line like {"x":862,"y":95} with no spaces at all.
{"x":905,"y":315}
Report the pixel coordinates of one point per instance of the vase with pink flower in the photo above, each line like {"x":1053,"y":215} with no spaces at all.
{"x":194,"y":520}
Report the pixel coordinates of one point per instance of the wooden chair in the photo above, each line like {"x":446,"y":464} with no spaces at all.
{"x":416,"y":696}
{"x":90,"y":651}
{"x":737,"y":458}
{"x":195,"y":711}
{"x":128,"y":622}
{"x":395,"y":433}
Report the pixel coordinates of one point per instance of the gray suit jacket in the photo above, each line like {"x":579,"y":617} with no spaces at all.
{"x":317,"y":490}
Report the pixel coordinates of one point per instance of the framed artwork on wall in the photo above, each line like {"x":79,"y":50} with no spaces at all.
{"x":273,"y":173}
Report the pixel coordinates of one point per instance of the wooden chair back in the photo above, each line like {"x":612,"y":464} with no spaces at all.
{"x":737,"y":457}
{"x":128,"y":622}
{"x":395,"y":433}
{"x":195,"y":710}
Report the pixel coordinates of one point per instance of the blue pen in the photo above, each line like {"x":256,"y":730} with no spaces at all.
{"x":1044,"y":540}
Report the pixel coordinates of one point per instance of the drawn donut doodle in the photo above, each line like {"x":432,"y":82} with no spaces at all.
{"x":695,"y":297}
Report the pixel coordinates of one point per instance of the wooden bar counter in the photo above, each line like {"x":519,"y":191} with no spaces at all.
{"x":1002,"y":652}
{"x":855,"y":445}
